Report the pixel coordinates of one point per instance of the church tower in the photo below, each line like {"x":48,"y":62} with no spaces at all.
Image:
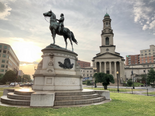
{"x":107,"y":36}
{"x":107,"y":60}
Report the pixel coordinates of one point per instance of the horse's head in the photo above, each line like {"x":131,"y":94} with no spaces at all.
{"x":47,"y":14}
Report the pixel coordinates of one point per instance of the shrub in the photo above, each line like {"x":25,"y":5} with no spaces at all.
{"x":129,"y":82}
{"x":84,"y":82}
{"x":89,"y":82}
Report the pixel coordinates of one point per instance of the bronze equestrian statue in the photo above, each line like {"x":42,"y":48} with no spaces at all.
{"x":58,"y":28}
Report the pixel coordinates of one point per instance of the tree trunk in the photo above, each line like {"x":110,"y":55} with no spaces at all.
{"x":105,"y":86}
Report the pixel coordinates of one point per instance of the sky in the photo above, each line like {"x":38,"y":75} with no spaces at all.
{"x":24,"y":28}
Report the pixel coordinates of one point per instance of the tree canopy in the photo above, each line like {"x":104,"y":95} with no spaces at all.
{"x":9,"y":76}
{"x":103,"y":78}
{"x":26,"y":78}
{"x":151,"y":76}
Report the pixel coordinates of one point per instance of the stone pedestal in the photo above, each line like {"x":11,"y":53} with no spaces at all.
{"x":40,"y":99}
{"x":58,"y":70}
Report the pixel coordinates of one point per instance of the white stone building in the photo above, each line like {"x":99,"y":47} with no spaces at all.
{"x":138,"y":70}
{"x":8,"y":59}
{"x":87,"y":73}
{"x":108,"y":61}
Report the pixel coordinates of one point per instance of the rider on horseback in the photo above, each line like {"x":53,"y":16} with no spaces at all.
{"x":61,"y":22}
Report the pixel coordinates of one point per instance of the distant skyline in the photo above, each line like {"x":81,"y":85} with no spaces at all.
{"x":26,"y":30}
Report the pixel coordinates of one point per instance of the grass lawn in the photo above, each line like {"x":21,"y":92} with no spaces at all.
{"x":115,"y":89}
{"x":1,"y":89}
{"x":151,"y":93}
{"x":121,"y":105}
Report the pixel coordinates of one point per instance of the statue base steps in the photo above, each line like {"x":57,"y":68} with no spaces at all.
{"x":55,"y":99}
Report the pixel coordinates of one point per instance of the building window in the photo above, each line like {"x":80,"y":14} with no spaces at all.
{"x":107,"y":41}
{"x":3,"y":61}
{"x":149,"y":50}
{"x":4,"y":51}
{"x":2,"y":66}
{"x":4,"y":56}
{"x":83,"y":75}
{"x":145,"y":54}
{"x":5,"y":47}
{"x":6,"y":66}
{"x":2,"y":70}
{"x":0,"y":46}
{"x":0,"y":50}
{"x":149,"y":53}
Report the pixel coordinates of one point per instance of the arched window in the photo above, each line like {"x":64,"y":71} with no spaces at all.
{"x":107,"y":41}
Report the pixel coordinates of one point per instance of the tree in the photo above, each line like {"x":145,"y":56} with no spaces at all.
{"x":1,"y":78}
{"x":151,"y":76}
{"x":9,"y":76}
{"x":26,"y":78}
{"x":18,"y":79}
{"x":143,"y":79}
{"x":129,"y":82}
{"x":103,"y":78}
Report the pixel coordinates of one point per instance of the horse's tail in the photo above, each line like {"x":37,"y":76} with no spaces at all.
{"x":73,"y":38}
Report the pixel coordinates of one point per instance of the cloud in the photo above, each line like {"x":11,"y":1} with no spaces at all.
{"x":152,"y":25}
{"x":4,"y":11}
{"x":28,"y":63}
{"x":143,"y":11}
{"x":145,"y":27}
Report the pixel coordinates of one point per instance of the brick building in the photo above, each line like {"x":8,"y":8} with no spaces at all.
{"x":132,"y":59}
{"x":147,"y":55}
{"x":83,"y":64}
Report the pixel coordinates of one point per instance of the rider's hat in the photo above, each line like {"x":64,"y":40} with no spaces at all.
{"x":62,"y":14}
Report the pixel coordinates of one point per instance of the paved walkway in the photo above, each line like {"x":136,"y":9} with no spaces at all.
{"x":150,"y":89}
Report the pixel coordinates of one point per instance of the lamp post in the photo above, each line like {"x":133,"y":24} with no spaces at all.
{"x":132,"y":79}
{"x":117,"y":82}
{"x":94,"y":77}
{"x":146,"y":82}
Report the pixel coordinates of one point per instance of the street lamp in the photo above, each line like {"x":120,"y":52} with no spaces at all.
{"x":132,"y":79}
{"x":117,"y":82}
{"x":146,"y":81}
{"x":94,"y":77}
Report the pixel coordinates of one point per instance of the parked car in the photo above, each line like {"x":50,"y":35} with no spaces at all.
{"x":13,"y":83}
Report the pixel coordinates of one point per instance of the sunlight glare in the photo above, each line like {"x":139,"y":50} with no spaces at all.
{"x":27,"y":51}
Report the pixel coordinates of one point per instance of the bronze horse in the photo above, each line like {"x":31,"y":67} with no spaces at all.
{"x":65,"y":32}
